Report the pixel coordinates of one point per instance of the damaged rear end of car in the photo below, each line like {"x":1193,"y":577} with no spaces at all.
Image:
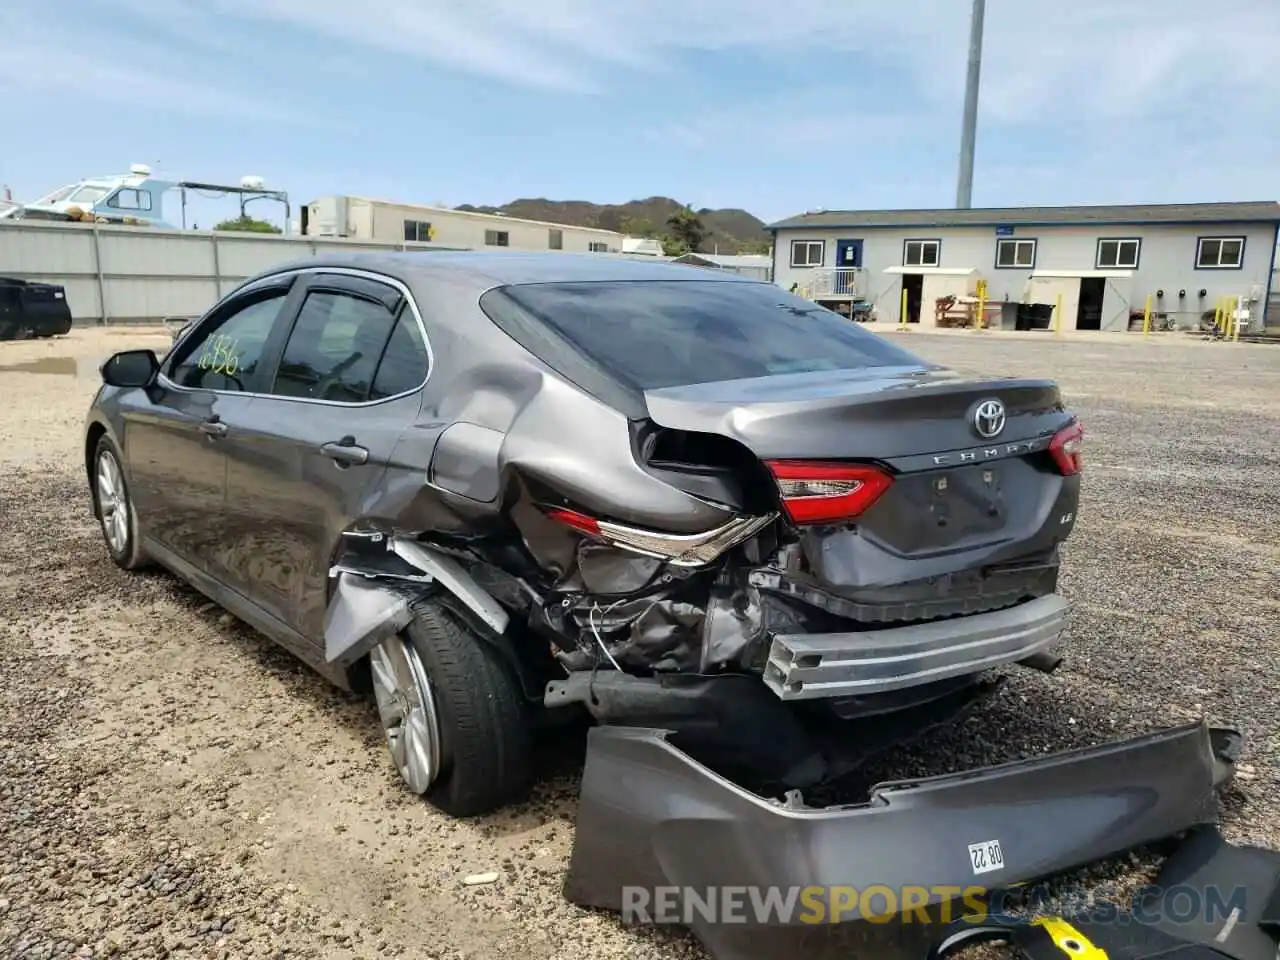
{"x":876,"y":532}
{"x":713,"y":507}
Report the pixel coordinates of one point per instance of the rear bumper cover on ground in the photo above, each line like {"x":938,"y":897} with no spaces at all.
{"x":652,"y":819}
{"x":810,"y":666}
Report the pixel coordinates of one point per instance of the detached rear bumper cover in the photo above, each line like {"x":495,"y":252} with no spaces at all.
{"x":651,"y":818}
{"x":808,"y":666}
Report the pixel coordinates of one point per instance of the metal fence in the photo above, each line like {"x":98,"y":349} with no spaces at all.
{"x":125,"y":274}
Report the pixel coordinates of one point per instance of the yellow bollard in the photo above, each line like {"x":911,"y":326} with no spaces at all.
{"x":1146,"y":316}
{"x":903,"y":320}
{"x":1057,"y":316}
{"x":982,"y":304}
{"x":1217,"y":316}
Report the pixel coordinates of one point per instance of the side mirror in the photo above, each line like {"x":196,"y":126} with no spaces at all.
{"x":130,"y":368}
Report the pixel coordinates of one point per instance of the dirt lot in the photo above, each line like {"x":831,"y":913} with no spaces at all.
{"x":172,"y":785}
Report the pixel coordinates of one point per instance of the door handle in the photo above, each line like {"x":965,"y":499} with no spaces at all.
{"x":213,"y":427}
{"x":346,"y":452}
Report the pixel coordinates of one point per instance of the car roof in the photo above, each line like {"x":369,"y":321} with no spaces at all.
{"x":486,"y":269}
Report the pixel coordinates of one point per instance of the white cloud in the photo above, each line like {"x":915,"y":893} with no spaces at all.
{"x":1112,"y":57}
{"x":54,"y":59}
{"x":78,"y":78}
{"x":1110,"y":97}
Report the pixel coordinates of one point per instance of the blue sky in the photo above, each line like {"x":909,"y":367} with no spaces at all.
{"x":777,"y":107}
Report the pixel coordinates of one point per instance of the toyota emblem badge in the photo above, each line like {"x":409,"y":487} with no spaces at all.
{"x":988,"y":419}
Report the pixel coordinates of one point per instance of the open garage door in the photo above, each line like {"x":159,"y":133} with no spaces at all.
{"x":1047,"y":289}
{"x":1116,"y":299}
{"x":1091,"y":299}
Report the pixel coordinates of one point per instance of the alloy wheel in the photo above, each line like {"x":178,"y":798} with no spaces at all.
{"x":113,"y":503}
{"x":407,"y":707}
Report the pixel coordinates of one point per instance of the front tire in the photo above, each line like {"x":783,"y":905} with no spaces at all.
{"x":114,"y":507}
{"x":453,"y":715}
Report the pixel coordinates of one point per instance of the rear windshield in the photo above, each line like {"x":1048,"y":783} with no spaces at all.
{"x":649,"y":334}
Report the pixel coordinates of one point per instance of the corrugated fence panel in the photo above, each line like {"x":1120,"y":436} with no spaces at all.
{"x":157,"y":254}
{"x":240,"y":256}
{"x":143,"y":298}
{"x":138,"y":274}
{"x":48,"y":249}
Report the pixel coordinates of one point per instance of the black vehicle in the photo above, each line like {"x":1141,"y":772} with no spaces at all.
{"x":491,"y":486}
{"x":29,"y":309}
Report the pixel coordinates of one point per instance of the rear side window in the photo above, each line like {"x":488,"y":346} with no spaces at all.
{"x":334,"y":348}
{"x":404,"y":362}
{"x":650,"y":334}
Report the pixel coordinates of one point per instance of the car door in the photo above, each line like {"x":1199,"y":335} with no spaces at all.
{"x":346,"y":385}
{"x":173,"y":434}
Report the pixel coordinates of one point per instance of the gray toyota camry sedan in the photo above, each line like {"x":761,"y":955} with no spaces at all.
{"x":493,"y":489}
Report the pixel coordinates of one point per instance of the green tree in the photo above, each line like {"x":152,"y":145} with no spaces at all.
{"x":687,"y":228}
{"x":247,"y":224}
{"x":636,"y":227}
{"x":673,"y":246}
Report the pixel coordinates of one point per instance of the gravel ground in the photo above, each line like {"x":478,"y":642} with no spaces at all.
{"x":172,"y":785}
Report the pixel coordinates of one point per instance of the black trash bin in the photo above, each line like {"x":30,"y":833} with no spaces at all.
{"x":1034,"y":316}
{"x":29,"y":309}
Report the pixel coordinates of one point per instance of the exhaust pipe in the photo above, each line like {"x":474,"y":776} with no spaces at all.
{"x":1043,"y":661}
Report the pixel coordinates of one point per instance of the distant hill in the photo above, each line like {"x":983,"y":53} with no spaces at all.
{"x":729,"y":230}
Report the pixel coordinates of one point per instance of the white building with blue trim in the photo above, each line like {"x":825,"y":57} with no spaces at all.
{"x":1100,"y":262}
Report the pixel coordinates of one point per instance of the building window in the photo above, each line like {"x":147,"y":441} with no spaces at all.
{"x":1015,"y":253}
{"x":1220,"y":253}
{"x":921,"y":253}
{"x":497,"y":238}
{"x":417,"y":231}
{"x":1118,"y":253}
{"x":597,"y":246}
{"x":555,"y":239}
{"x":808,"y":253}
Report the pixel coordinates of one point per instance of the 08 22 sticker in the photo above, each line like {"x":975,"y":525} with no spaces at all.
{"x":986,"y":856}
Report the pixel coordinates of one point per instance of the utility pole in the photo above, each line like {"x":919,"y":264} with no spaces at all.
{"x":968,"y":133}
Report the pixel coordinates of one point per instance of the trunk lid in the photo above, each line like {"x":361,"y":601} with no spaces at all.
{"x":958,"y":500}
{"x":875,"y":414}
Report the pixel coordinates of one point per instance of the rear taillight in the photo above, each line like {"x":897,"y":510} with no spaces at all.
{"x":827,"y":492}
{"x":1067,"y":449}
{"x":679,"y":549}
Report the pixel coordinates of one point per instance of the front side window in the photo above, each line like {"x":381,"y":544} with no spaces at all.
{"x":1220,"y":253}
{"x":334,"y":348}
{"x":921,"y":253}
{"x":1015,"y":253}
{"x":497,"y":238}
{"x":87,"y":195}
{"x":653,"y":334}
{"x":226,"y":355}
{"x":807,"y":253}
{"x":1121,"y":254}
{"x":130,"y":199}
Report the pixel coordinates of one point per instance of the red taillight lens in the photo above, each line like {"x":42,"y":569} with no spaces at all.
{"x":827,"y":492}
{"x":579,"y":521}
{"x":1067,"y":449}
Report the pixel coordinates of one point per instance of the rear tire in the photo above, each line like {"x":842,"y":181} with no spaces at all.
{"x":478,"y":728}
